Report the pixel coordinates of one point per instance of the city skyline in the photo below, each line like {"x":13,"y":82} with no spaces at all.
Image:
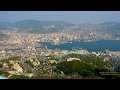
{"x":52,"y":49}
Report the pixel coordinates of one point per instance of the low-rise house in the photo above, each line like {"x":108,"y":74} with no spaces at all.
{"x":52,"y":61}
{"x":29,"y":75}
{"x":106,"y":58}
{"x":71,"y":59}
{"x":18,"y":68}
{"x":36,"y":63}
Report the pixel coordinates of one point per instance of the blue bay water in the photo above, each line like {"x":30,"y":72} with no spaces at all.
{"x":112,"y":45}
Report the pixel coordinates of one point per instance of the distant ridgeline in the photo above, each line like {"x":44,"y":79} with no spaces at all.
{"x":35,"y":26}
{"x":50,"y":29}
{"x":3,"y":36}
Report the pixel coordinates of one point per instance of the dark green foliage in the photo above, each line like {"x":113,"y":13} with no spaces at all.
{"x":37,"y":77}
{"x":19,"y":77}
{"x":6,"y":74}
{"x":11,"y":58}
{"x":48,"y":77}
{"x":89,"y":66}
{"x":14,"y":58}
{"x":95,"y":61}
{"x":30,"y":63}
{"x":76,"y":67}
{"x":10,"y":64}
{"x":1,"y":65}
{"x":86,"y":72}
{"x":1,"y":72}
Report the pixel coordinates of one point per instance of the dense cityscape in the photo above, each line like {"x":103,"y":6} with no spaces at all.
{"x":22,"y":55}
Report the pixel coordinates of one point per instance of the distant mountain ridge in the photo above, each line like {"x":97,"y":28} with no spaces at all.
{"x":4,"y":25}
{"x":36,"y":26}
{"x":31,"y":24}
{"x":111,"y":26}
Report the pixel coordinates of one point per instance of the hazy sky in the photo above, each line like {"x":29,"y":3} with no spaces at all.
{"x":69,"y":16}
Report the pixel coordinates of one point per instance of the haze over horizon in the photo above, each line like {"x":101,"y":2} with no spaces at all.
{"x":75,"y":17}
